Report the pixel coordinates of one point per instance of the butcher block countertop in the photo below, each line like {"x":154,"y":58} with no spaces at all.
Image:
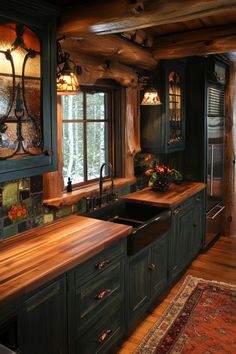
{"x":175,"y":195}
{"x":35,"y":257}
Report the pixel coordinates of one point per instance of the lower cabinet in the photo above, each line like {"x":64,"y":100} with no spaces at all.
{"x":147,"y":277}
{"x":96,"y":302}
{"x":187,"y":233}
{"x":42,"y":321}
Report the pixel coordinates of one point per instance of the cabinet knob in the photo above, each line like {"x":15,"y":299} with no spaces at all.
{"x":102,"y":294}
{"x":102,"y":264}
{"x":48,"y":152}
{"x":194,"y":225}
{"x":101,"y":339}
{"x":176,"y":211}
{"x":152,"y":267}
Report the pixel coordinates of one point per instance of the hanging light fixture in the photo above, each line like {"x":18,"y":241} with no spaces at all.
{"x":151,"y":96}
{"x":67,"y":78}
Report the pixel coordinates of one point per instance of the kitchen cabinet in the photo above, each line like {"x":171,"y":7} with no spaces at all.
{"x":147,"y":277}
{"x":96,"y":302}
{"x":28,"y":89}
{"x":42,"y":321}
{"x":187,"y":233}
{"x":163,"y":127}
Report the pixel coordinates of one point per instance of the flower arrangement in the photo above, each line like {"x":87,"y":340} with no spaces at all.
{"x":17,"y":212}
{"x":161,"y":176}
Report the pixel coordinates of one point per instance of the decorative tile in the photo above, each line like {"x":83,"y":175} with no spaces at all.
{"x":64,"y":211}
{"x":48,"y":218}
{"x":36,"y":184}
{"x":10,"y":194}
{"x":10,"y":231}
{"x":7,"y":222}
{"x":23,"y":226}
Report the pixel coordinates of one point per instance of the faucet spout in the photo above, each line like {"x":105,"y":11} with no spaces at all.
{"x":109,"y":165}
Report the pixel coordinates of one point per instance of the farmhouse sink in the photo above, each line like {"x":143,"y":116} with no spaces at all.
{"x":148,"y":222}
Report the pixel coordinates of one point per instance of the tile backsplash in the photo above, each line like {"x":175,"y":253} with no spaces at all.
{"x":21,"y":206}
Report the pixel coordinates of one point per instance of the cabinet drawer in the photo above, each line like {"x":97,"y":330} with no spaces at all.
{"x":98,"y":292}
{"x":99,"y":263}
{"x":103,"y":333}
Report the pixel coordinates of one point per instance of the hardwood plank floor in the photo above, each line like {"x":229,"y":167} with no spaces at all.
{"x":218,"y":263}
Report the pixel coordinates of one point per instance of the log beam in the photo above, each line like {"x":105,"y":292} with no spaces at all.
{"x":94,"y":68}
{"x":103,"y":17}
{"x":203,"y":41}
{"x":114,"y":48}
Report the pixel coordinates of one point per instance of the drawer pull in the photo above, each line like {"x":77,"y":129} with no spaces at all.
{"x":176,"y":211}
{"x":102,"y":294}
{"x":102,"y":264}
{"x":152,"y":267}
{"x":101,"y":339}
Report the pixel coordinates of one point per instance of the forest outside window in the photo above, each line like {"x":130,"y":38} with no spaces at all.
{"x":86,"y":134}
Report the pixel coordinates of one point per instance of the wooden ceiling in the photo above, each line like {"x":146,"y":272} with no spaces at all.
{"x":156,"y":29}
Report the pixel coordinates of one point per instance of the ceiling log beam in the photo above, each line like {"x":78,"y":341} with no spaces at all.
{"x":104,"y":17}
{"x":203,"y":41}
{"x":115,"y":48}
{"x":93,"y":69}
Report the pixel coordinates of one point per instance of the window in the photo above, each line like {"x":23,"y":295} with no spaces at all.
{"x":86,"y":134}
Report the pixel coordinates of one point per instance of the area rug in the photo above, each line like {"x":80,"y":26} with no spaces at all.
{"x":201,"y":320}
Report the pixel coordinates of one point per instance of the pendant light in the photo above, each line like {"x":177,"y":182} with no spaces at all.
{"x":67,"y":77}
{"x":151,"y":96}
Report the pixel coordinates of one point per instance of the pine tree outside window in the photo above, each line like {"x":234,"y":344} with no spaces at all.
{"x":86,"y":134}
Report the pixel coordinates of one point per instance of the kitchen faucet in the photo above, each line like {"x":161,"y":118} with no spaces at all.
{"x":108,"y":164}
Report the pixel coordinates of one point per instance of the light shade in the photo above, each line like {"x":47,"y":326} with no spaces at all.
{"x":151,"y":98}
{"x":67,"y":80}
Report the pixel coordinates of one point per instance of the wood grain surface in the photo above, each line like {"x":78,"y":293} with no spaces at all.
{"x":35,"y":257}
{"x":175,"y":195}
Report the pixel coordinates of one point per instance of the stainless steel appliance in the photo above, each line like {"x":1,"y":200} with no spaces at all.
{"x":215,"y":161}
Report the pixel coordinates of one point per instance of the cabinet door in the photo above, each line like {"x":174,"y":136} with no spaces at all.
{"x":139,"y":281}
{"x":181,"y":240}
{"x":43,"y":321}
{"x":158,"y":266}
{"x":175,"y":109}
{"x":28,"y":91}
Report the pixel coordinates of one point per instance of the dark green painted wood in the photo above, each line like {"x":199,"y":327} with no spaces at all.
{"x":89,"y":317}
{"x":42,"y":321}
{"x":139,"y":282}
{"x":43,"y":23}
{"x":160,"y":261}
{"x":154,"y":122}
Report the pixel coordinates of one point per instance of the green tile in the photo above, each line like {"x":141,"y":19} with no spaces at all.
{"x":22,"y":226}
{"x":10,"y":194}
{"x":10,"y":231}
{"x":64,"y":211}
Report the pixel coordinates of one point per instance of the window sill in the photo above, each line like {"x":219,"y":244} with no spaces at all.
{"x":74,"y":196}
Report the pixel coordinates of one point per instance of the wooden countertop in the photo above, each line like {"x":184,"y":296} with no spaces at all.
{"x":175,"y":195}
{"x":35,"y":257}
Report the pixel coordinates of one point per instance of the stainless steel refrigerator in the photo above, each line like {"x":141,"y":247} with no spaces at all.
{"x":215,"y":161}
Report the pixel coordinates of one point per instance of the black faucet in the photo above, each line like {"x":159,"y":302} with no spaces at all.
{"x":108,"y":164}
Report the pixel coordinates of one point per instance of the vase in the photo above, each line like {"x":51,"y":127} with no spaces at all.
{"x":161,"y":184}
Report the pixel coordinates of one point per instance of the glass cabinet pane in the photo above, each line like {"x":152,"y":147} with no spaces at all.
{"x":175,"y":108}
{"x":20,"y":92}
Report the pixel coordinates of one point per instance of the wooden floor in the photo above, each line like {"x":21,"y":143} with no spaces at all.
{"x":218,"y":263}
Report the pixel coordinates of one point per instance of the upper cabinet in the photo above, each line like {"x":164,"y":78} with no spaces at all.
{"x":27,"y":90}
{"x":163,"y":127}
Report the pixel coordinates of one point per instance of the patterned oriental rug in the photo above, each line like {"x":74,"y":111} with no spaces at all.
{"x":201,"y":320}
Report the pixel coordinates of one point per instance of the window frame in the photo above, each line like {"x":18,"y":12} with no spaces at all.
{"x":111,"y":91}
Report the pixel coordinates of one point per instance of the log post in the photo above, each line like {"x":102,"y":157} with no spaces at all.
{"x":230,"y":155}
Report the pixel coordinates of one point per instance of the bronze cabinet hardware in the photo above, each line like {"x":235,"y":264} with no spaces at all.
{"x":101,"y":339}
{"x":152,"y":266}
{"x":176,"y":211}
{"x":102,"y":294}
{"x":102,"y":264}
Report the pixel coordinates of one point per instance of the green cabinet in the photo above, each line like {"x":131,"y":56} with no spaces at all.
{"x":163,"y":127}
{"x":28,"y":89}
{"x":187,"y":233}
{"x":96,"y":301}
{"x":42,"y":321}
{"x":147,"y":277}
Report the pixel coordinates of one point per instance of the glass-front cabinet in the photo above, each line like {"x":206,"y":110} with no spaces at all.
{"x":163,"y":126}
{"x":27,"y":90}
